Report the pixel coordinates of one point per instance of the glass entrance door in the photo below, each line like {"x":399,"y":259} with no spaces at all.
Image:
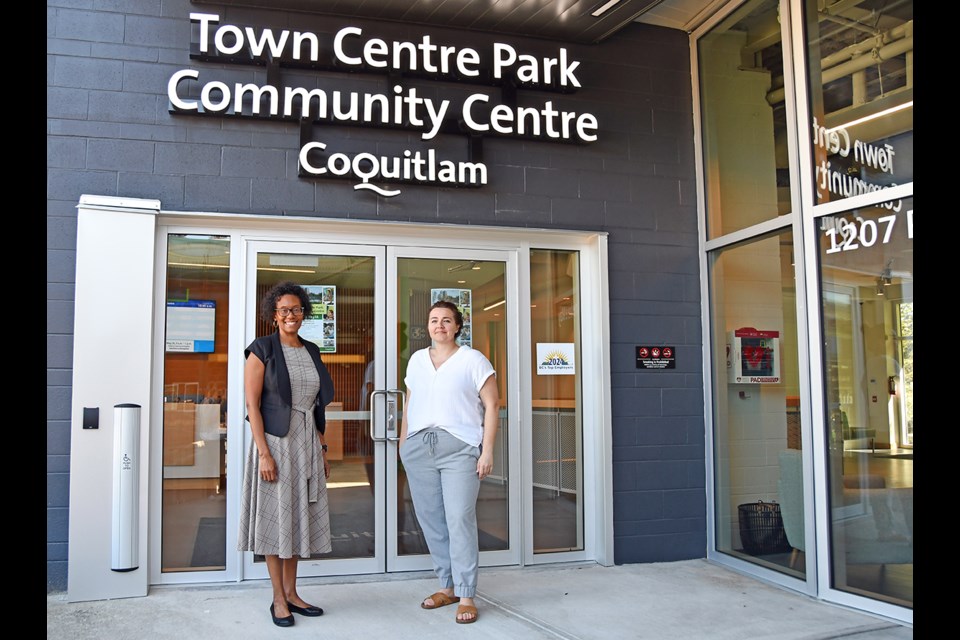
{"x":477,"y":282}
{"x":370,"y":305}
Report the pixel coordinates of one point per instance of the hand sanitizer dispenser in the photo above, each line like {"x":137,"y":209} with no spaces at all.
{"x":126,"y":488}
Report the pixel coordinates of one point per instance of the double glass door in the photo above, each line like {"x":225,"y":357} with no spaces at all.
{"x":369,"y":315}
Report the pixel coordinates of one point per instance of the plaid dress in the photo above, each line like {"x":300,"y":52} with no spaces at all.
{"x":289,"y":517}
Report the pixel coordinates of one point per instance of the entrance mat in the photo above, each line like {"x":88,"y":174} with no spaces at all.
{"x":896,"y":456}
{"x":210,"y":547}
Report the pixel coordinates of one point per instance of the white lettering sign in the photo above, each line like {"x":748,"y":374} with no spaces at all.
{"x":401,"y":107}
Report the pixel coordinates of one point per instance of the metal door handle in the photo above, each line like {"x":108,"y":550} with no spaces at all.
{"x":394,"y":411}
{"x":373,"y":413}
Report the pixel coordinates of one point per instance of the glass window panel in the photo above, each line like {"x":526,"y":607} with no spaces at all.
{"x":478,"y":288}
{"x":557,"y":416}
{"x":341,"y":324}
{"x":195,"y":404}
{"x":757,"y":443}
{"x":861,"y":94}
{"x":904,"y":318}
{"x":743,"y":118}
{"x":866,"y":265}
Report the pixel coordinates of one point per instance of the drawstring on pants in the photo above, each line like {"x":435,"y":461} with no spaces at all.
{"x":430,"y":438}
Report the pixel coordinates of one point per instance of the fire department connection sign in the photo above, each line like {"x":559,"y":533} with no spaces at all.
{"x":659,"y":357}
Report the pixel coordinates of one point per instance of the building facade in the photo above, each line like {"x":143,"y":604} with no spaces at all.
{"x":648,"y":235}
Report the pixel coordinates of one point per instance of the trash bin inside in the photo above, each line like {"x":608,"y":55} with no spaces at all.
{"x":761,"y":528}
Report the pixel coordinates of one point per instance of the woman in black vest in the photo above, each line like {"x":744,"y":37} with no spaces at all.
{"x":284,"y":514}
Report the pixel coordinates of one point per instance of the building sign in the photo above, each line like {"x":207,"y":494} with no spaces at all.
{"x":555,"y":359}
{"x":658,"y":357}
{"x":868,"y":156}
{"x":351,"y":49}
{"x":859,"y":232}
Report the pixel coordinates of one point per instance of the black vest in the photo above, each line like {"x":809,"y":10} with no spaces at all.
{"x":275,"y":398}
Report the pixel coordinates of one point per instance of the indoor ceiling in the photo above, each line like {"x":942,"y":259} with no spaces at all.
{"x":565,"y":20}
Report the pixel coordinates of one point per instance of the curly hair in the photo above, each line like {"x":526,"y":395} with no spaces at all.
{"x":457,"y":316}
{"x":268,"y":304}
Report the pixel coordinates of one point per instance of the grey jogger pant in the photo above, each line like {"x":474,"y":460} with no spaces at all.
{"x":442,"y":475}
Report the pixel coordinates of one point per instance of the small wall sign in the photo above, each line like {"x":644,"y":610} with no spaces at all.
{"x":556,"y":359}
{"x":658,"y":357}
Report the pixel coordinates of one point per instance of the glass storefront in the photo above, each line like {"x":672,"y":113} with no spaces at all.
{"x":848,"y":86}
{"x":861,"y":97}
{"x":341,"y":324}
{"x":557,"y":414}
{"x":478,"y":288}
{"x":743,"y":120}
{"x":867,"y":299}
{"x":758,"y":499}
{"x":195,"y":403}
{"x":369,"y":307}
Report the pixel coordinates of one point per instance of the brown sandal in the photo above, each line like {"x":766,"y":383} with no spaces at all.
{"x":440,"y":599}
{"x":465,"y":608}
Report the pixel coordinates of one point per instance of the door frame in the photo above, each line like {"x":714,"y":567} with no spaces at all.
{"x":512,"y":554}
{"x":595,"y":364}
{"x":251,"y":248}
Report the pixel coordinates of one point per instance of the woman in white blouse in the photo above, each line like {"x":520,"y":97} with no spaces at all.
{"x":446,"y":445}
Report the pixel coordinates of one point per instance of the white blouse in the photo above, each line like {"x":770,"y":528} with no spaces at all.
{"x":448,"y":397}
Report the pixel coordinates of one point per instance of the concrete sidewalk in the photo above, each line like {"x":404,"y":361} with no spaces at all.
{"x":685,"y":600}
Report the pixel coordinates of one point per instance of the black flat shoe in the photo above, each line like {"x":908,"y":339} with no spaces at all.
{"x":281,"y":622}
{"x":309,"y":610}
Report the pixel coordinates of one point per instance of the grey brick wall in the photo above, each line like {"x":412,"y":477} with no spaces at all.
{"x":109,"y":133}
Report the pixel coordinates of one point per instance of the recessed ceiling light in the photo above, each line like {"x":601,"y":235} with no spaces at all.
{"x":606,"y":6}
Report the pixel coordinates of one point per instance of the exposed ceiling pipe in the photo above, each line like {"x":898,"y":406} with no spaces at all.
{"x":854,"y":50}
{"x":858,"y":63}
{"x":902,"y":31}
{"x":850,"y":24}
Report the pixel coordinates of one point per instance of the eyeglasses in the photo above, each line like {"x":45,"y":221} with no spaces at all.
{"x":297,"y":311}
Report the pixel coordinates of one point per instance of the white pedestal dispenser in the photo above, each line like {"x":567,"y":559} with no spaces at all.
{"x":126,"y":488}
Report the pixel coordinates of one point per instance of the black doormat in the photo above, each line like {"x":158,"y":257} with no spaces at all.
{"x":210,"y":547}
{"x":896,"y":456}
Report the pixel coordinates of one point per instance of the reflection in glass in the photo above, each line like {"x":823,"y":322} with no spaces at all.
{"x":557,"y":417}
{"x":757,"y":442}
{"x":866,"y":260}
{"x":861,"y":91}
{"x":903,"y":385}
{"x":744,"y":120}
{"x":193,"y":518}
{"x":341,"y":323}
{"x":478,"y":288}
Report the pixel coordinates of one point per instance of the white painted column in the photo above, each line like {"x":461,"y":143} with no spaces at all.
{"x":112,"y":364}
